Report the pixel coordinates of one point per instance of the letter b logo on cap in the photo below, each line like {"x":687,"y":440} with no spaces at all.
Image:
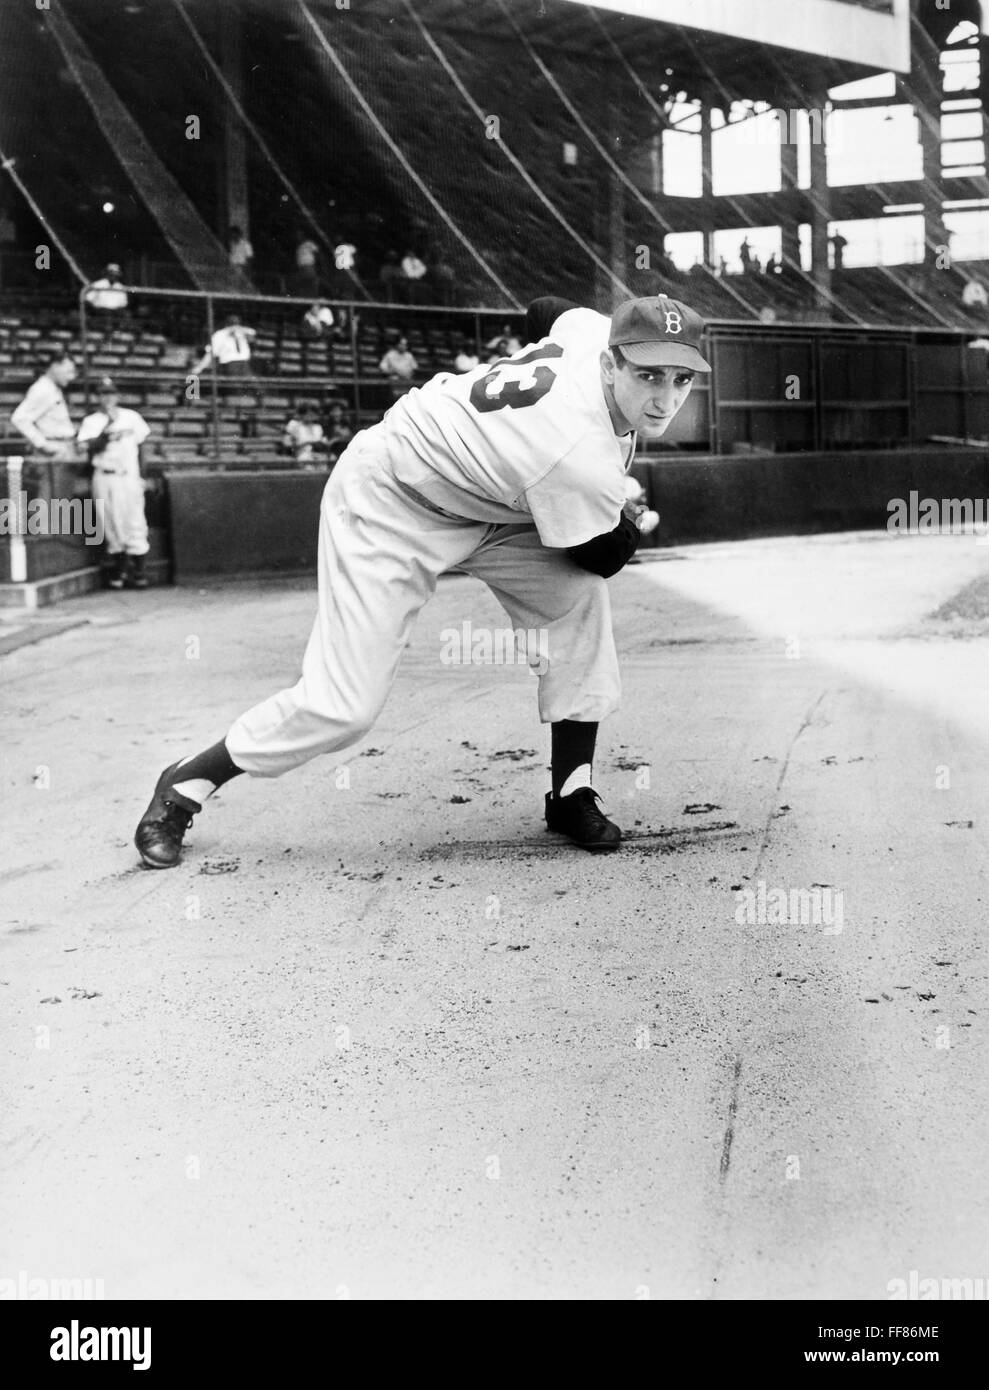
{"x":674,"y":323}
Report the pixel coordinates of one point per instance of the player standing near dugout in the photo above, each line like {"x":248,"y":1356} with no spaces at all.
{"x":113,"y":436}
{"x":516,"y":473}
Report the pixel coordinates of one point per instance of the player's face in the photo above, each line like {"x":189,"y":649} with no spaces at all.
{"x":644,"y":398}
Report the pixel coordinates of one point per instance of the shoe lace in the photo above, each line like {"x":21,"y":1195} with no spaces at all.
{"x":591,"y":798}
{"x":177,"y":817}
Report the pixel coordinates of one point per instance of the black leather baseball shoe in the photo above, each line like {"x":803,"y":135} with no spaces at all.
{"x":578,"y":817}
{"x":162,"y":828}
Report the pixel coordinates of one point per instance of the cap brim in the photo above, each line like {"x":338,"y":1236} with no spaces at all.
{"x":664,"y":354}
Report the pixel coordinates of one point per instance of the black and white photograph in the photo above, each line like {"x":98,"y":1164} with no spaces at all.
{"x":494,"y":664}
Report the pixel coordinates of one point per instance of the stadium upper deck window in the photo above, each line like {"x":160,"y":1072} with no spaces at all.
{"x":960,"y":70}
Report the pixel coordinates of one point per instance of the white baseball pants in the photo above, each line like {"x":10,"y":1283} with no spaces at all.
{"x":380,"y":554}
{"x":125,"y":526}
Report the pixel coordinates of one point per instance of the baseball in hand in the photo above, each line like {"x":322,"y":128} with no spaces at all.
{"x":647,"y":521}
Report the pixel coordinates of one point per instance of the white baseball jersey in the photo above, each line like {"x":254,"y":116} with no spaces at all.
{"x":127,"y":431}
{"x":528,"y":436}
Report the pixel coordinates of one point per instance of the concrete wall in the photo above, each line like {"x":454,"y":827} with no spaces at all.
{"x":266,"y":523}
{"x":243,"y":523}
{"x":722,"y":498}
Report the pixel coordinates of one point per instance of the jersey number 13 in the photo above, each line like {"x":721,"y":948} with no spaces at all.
{"x":498,"y":390}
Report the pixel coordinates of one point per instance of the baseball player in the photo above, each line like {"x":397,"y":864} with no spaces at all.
{"x":514,"y":472}
{"x":43,"y":415}
{"x":112,"y":436}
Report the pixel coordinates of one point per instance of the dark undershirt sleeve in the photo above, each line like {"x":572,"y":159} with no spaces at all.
{"x":607,"y":554}
{"x":542,"y":314}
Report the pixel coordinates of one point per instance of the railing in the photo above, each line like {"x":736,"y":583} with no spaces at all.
{"x":773,"y":388}
{"x":192,"y":319}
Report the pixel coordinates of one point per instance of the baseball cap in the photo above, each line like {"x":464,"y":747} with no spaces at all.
{"x":105,"y":385}
{"x":659,"y":332}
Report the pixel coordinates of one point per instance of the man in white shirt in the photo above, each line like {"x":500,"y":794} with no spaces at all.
{"x":515,"y":473}
{"x":240,"y":249}
{"x":318,"y":320}
{"x":113,"y":436}
{"x":230,"y":346}
{"x":506,"y":342}
{"x":43,"y":415}
{"x":399,"y":365}
{"x":306,"y":255}
{"x":413,"y":273}
{"x":107,"y":295}
{"x":304,"y":435}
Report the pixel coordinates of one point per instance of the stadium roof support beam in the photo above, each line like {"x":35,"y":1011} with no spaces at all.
{"x":235,"y":191}
{"x":196,"y":246}
{"x":789,"y":172}
{"x":707,"y":177}
{"x":820,"y":215}
{"x":926,"y":93}
{"x":829,"y":28}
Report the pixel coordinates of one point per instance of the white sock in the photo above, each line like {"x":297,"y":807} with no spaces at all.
{"x":196,"y":789}
{"x":580,"y":777}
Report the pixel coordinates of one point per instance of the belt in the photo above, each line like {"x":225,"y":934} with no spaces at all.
{"x":429,"y":506}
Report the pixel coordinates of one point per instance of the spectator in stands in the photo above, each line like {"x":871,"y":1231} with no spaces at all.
{"x":306,"y":273}
{"x":240,"y":250}
{"x":338,"y":431}
{"x":722,"y":267}
{"x":113,"y":436}
{"x":345,"y":278}
{"x":43,"y":415}
{"x":230,"y":348}
{"x":444,"y":280}
{"x":466,"y":359}
{"x":317,"y":326}
{"x":773,"y":266}
{"x":667,"y":266}
{"x":413,"y":275}
{"x":506,"y":342}
{"x":318,"y":321}
{"x":390,"y":276}
{"x":399,"y":366}
{"x":698,"y":270}
{"x":838,"y":244}
{"x":107,"y":294}
{"x":305,"y":438}
{"x":745,"y":256}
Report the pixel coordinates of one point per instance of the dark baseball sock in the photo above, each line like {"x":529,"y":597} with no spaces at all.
{"x":198,"y":777}
{"x":572,"y":747}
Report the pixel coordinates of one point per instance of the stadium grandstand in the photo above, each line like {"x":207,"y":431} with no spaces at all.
{"x":811,"y":177}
